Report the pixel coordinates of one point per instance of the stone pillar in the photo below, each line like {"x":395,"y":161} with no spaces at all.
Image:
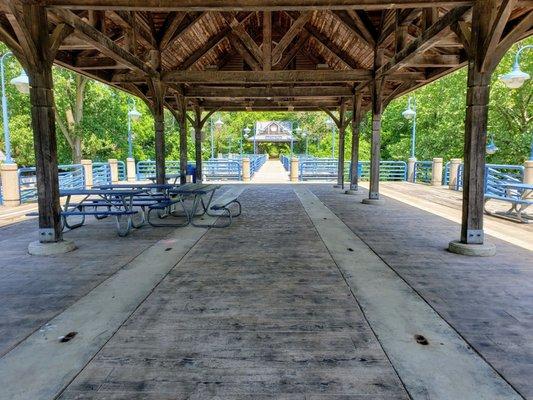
{"x":10,"y":185}
{"x":88,"y":172}
{"x":246,"y":169}
{"x":113,"y":167}
{"x":455,"y":163}
{"x":436,"y":172}
{"x":130,"y":170}
{"x":528,"y":172}
{"x":411,"y":169}
{"x":294,"y":169}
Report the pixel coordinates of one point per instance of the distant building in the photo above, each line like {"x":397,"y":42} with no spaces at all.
{"x":273,"y":132}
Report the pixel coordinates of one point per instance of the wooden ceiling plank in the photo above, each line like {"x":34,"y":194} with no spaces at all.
{"x":346,"y":18}
{"x":170,"y":29}
{"x":203,"y":50}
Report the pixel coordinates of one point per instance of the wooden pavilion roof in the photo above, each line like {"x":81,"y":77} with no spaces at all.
{"x":262,"y":54}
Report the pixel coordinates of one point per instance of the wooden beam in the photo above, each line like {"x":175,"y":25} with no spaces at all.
{"x":170,"y":29}
{"x":289,"y":55}
{"x":103,"y":43}
{"x":244,"y":53}
{"x":251,"y":5}
{"x":433,"y":61}
{"x":272,"y":77}
{"x":181,"y":29}
{"x":203,"y":50}
{"x":342,"y":131}
{"x":352,"y":21}
{"x":128,"y":20}
{"x":296,"y":28}
{"x":426,"y":40}
{"x":269,"y":92}
{"x":267,"y":40}
{"x":357,"y":115}
{"x":59,"y":34}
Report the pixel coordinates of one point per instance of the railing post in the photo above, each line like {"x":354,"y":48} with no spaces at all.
{"x":455,"y":163}
{"x":130,"y":169}
{"x":528,"y":172}
{"x":246,"y":169}
{"x":113,"y":168}
{"x":436,"y":172}
{"x":88,"y":172}
{"x":411,"y":177}
{"x":294,"y":169}
{"x":10,"y":185}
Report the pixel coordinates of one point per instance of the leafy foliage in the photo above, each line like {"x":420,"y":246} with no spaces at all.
{"x":440,"y":122}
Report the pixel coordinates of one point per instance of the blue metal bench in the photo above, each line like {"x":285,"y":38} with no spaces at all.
{"x":517,"y":194}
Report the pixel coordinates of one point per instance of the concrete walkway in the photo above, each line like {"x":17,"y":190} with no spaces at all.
{"x":308,"y":295}
{"x":271,"y":172}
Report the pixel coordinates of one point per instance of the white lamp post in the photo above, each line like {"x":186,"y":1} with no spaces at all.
{"x":21,"y":82}
{"x":246,"y":133}
{"x":218,"y":126}
{"x":133,"y":115}
{"x":304,"y":135}
{"x":410,"y":114}
{"x":298,"y":132}
{"x":516,"y":79}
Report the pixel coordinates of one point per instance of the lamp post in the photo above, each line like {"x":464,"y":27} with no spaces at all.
{"x":331,"y":124}
{"x":306,"y":136}
{"x":410,"y":114}
{"x":133,"y":115}
{"x":218,"y":125}
{"x":21,"y":82}
{"x":516,"y":79}
{"x":298,"y":132}
{"x":246,"y":133}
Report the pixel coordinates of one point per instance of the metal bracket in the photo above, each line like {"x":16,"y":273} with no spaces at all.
{"x":374,"y":195}
{"x":46,"y":235}
{"x":475,"y":236}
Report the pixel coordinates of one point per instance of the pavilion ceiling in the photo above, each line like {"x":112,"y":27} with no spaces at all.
{"x":276,"y":55}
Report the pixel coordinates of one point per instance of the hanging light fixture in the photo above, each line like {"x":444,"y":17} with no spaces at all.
{"x":22,"y":83}
{"x":491,"y":146}
{"x":516,"y":78}
{"x":134,"y":114}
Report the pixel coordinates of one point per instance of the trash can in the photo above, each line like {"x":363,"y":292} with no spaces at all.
{"x":191,"y":173}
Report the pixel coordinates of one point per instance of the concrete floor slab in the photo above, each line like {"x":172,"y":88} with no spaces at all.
{"x":443,"y":368}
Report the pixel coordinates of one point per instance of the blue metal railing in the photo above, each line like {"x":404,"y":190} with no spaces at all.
{"x":146,"y":169}
{"x":320,"y":169}
{"x":222,"y":169}
{"x":71,"y":176}
{"x":423,"y":171}
{"x":256,"y":162}
{"x":497,"y":174}
{"x":121,"y":171}
{"x":101,"y":173}
{"x":286,"y":161}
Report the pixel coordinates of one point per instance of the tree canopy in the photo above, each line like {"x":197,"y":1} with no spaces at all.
{"x":101,"y":129}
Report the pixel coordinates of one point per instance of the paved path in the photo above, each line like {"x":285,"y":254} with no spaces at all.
{"x":287,"y":303}
{"x":271,"y":172}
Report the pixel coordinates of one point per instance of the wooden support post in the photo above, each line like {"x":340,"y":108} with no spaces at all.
{"x":485,"y":52}
{"x":158,"y":97}
{"x":342,"y":137}
{"x":375,"y":152}
{"x":198,"y":141}
{"x":43,"y":124}
{"x":267,"y":40}
{"x":357,"y":115}
{"x":181,"y":116}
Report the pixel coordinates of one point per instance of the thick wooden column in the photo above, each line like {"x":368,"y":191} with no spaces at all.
{"x":342,"y":146}
{"x":356,"y":128}
{"x":182,"y":122}
{"x":158,"y":97}
{"x":198,"y":125}
{"x":485,"y":47}
{"x":43,"y":124}
{"x":377,"y":109}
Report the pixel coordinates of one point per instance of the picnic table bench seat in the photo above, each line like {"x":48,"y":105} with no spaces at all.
{"x":518,"y":206}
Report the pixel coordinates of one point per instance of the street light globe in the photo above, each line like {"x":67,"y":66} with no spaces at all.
{"x":247,"y":131}
{"x":219,"y":123}
{"x":22,"y":83}
{"x":298,"y":130}
{"x":516,"y":78}
{"x":491,"y":148}
{"x":409,"y":114}
{"x":329,"y":122}
{"x":134,"y":114}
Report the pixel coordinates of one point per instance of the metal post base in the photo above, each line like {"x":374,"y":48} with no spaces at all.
{"x":351,"y":192}
{"x":476,"y":250}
